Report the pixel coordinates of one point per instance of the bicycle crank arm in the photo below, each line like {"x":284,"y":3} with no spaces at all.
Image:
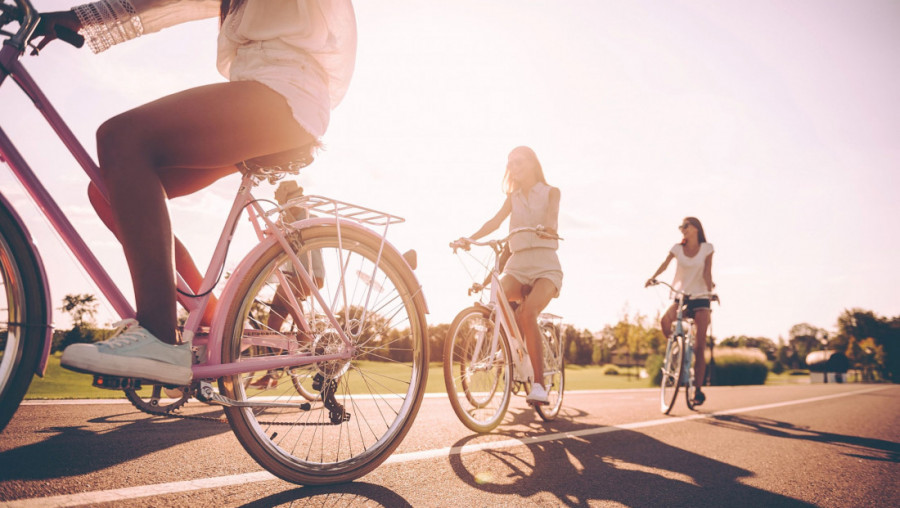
{"x":205,"y":393}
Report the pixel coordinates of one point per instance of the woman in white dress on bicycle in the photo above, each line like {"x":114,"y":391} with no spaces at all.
{"x":288,"y":64}
{"x":693,"y":275}
{"x":530,"y":202}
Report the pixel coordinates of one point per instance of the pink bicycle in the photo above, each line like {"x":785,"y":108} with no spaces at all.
{"x":343,"y":352}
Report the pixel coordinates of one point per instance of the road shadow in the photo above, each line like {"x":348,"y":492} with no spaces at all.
{"x":855,"y":446}
{"x":343,"y":495}
{"x":83,"y":449}
{"x":604,"y":465}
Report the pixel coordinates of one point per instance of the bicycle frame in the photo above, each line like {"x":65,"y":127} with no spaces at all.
{"x":499,"y":305}
{"x":210,"y":366}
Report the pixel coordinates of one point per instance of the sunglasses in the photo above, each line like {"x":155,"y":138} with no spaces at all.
{"x":684,"y":226}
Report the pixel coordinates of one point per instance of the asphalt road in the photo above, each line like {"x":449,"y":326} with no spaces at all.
{"x":799,"y":445}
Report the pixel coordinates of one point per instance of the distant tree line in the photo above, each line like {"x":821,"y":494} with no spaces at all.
{"x":871,"y":342}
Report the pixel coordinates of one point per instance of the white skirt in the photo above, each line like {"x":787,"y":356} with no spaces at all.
{"x":293,"y":74}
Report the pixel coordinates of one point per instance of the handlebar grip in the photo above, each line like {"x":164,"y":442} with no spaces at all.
{"x":70,"y":36}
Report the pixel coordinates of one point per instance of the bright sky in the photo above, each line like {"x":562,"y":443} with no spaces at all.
{"x":775,"y":123}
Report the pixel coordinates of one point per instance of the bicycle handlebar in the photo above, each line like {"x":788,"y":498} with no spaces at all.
{"x":28,"y":18}
{"x":712,"y":296}
{"x":464,"y":243}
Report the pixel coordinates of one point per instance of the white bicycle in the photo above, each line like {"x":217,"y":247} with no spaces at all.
{"x":485,"y":357}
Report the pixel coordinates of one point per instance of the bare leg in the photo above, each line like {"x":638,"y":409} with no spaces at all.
{"x":209,"y":127}
{"x":701,"y":320}
{"x":526,"y":317}
{"x":667,"y":319}
{"x":184,"y":263}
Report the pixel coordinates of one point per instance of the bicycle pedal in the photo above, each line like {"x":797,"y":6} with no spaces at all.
{"x":116,"y":383}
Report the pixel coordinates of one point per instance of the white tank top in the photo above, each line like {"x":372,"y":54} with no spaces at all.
{"x":532,"y":210}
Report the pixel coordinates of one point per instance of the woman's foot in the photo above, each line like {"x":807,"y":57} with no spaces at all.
{"x":538,"y":395}
{"x":265,"y":382}
{"x":132,"y":352}
{"x":699,"y":397}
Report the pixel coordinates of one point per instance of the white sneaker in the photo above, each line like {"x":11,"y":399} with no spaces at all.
{"x":538,"y":395}
{"x":133,"y":352}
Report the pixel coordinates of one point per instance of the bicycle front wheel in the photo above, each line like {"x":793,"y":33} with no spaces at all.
{"x":366,"y":403}
{"x":690,"y":388}
{"x":554,"y":371}
{"x":22,"y":315}
{"x":477,"y":376}
{"x":671,"y":373}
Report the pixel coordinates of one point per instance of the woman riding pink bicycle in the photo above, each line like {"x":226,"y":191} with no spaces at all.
{"x":288,"y":64}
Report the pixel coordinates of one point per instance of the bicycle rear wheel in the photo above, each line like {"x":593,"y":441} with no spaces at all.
{"x":23,"y":316}
{"x":368,"y":402}
{"x":478,"y":378}
{"x":554,"y":371}
{"x":671,"y":373}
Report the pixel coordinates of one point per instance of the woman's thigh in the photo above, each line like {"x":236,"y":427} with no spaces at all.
{"x":208,"y":127}
{"x":541,"y":293}
{"x":512,"y":288}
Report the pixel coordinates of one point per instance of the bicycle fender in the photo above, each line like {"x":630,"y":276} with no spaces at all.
{"x":41,"y":367}
{"x":247,"y":262}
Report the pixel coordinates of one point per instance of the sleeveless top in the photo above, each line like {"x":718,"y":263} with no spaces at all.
{"x":530,"y":210}
{"x":305,"y":50}
{"x":689,"y":270}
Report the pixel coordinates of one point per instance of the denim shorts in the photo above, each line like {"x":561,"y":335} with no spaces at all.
{"x":692,"y":305}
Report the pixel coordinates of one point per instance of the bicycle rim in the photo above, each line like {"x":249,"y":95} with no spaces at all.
{"x":378,"y":390}
{"x":671,"y":374}
{"x":690,"y":387}
{"x":478,"y":382}
{"x":554,"y":371}
{"x":21,"y":301}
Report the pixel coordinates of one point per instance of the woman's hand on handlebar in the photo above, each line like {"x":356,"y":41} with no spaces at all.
{"x":651,"y":282}
{"x":53,"y":23}
{"x":461,"y":243}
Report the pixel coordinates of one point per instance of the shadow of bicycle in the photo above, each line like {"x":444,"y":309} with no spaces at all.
{"x":343,"y":495}
{"x":603,"y":465}
{"x":82,"y":449}
{"x":855,"y":446}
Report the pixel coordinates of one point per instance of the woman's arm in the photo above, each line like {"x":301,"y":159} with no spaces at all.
{"x":662,"y":268}
{"x":494,"y":223}
{"x":707,"y":273}
{"x":108,"y":22}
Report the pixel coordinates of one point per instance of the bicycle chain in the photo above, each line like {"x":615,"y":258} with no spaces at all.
{"x":222,"y":419}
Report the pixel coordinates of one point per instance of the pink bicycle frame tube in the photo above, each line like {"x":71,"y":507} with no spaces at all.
{"x":39,"y":193}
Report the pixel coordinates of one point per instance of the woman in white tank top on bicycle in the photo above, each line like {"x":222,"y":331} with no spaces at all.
{"x":288,"y":63}
{"x":693,"y":275}
{"x":530,"y":202}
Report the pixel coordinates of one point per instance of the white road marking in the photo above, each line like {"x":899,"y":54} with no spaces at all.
{"x":112,"y":495}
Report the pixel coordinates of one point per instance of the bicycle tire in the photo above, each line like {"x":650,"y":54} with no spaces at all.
{"x":473,"y":387}
{"x":690,"y":387}
{"x":555,"y":364}
{"x":22,"y":300}
{"x":671,"y":374}
{"x":379,"y":396}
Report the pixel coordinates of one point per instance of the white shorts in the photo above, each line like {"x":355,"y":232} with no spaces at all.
{"x":527,"y":266}
{"x":295,"y":75}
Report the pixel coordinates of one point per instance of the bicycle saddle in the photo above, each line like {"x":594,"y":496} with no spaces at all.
{"x":274,"y":166}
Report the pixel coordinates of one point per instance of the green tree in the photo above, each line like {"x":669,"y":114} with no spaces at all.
{"x":856,"y":326}
{"x":82,"y":308}
{"x":804,"y":339}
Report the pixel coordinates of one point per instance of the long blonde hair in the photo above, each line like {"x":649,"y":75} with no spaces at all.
{"x":509,"y":185}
